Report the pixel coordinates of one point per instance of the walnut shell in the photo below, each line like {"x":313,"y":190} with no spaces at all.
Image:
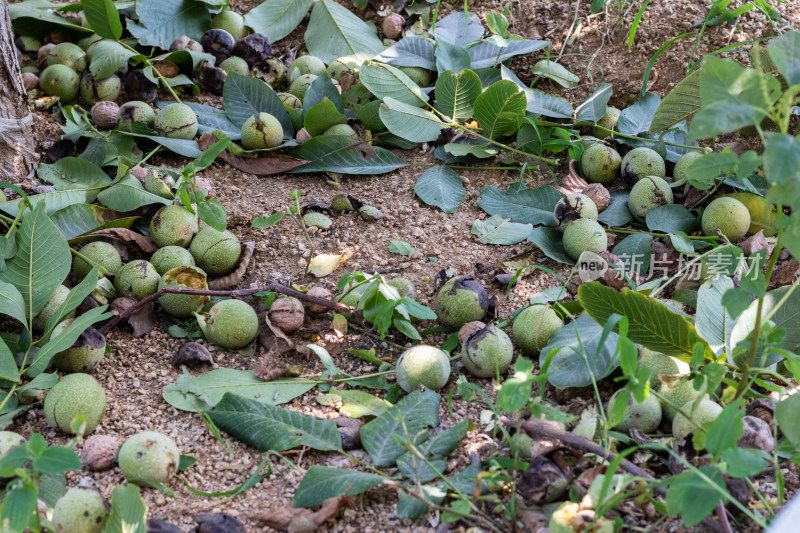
{"x":104,"y":115}
{"x":99,"y":452}
{"x":287,"y":314}
{"x":30,"y":80}
{"x":41,"y":57}
{"x":139,"y":172}
{"x":302,"y":135}
{"x":599,"y":195}
{"x":319,"y":292}
{"x":393,"y":26}
{"x":167,"y":68}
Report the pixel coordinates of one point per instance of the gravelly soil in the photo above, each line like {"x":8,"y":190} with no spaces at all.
{"x":138,"y":369}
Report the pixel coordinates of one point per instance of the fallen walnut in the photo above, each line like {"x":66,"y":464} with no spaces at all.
{"x":287,"y":314}
{"x":99,"y":452}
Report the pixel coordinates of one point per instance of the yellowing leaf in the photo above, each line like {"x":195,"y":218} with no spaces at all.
{"x":762,"y":213}
{"x":324,"y":264}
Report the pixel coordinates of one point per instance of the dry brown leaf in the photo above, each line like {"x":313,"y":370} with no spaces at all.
{"x":754,"y":243}
{"x":572,"y":183}
{"x":303,"y":520}
{"x":236,"y":276}
{"x":125,"y":235}
{"x":142,"y":321}
{"x":272,"y":338}
{"x":339,"y":325}
{"x":266,"y":164}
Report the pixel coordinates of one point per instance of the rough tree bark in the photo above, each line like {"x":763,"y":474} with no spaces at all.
{"x":17,"y":157}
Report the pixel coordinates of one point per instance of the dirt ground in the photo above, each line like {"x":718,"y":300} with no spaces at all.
{"x":138,"y":369}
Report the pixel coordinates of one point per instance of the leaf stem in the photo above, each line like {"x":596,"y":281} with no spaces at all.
{"x":744,"y":383}
{"x":632,"y":232}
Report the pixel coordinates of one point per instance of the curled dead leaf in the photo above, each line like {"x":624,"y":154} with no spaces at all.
{"x":754,"y":243}
{"x":233,"y":279}
{"x":191,"y":353}
{"x":125,"y":235}
{"x":142,"y":321}
{"x":266,"y":164}
{"x":272,"y":338}
{"x":573,"y":182}
{"x":304,"y":520}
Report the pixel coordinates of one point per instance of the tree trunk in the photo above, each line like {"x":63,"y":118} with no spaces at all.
{"x":17,"y":157}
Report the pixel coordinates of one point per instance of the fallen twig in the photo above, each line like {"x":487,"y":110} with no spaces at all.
{"x":271,"y":286}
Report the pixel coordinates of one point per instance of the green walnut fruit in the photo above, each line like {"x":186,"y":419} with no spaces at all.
{"x":647,"y":194}
{"x":81,"y":510}
{"x":300,"y":85}
{"x":235,"y":64}
{"x":68,"y":54}
{"x":216,"y":252}
{"x":675,"y":395}
{"x":520,"y":445}
{"x":534,"y":326}
{"x":261,"y":131}
{"x":137,"y":279}
{"x":573,"y":207}
{"x":230,"y":21}
{"x":423,"y":365}
{"x":173,"y":225}
{"x":177,"y":121}
{"x":729,"y":216}
{"x":290,"y":101}
{"x":645,"y":415}
{"x":231,"y":324}
{"x":148,"y":457}
{"x":73,"y":395}
{"x":342,"y":130}
{"x":404,"y":287}
{"x":58,"y":297}
{"x":704,"y":413}
{"x":98,"y":252}
{"x":84,"y":354}
{"x":135,"y":111}
{"x":641,"y":162}
{"x":305,"y":65}
{"x":461,"y":300}
{"x":95,"y":90}
{"x":601,"y":164}
{"x":419,"y":75}
{"x":317,"y":220}
{"x":170,"y":257}
{"x":487,"y":352}
{"x":686,"y":160}
{"x":352,"y":63}
{"x":584,"y":235}
{"x":609,"y":121}
{"x":660,"y":365}
{"x":185,"y":277}
{"x":61,"y":81}
{"x":8,"y":441}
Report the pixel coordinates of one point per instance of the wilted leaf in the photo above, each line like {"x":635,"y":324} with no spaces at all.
{"x":125,"y":235}
{"x":267,"y":163}
{"x":298,"y":520}
{"x":273,"y":339}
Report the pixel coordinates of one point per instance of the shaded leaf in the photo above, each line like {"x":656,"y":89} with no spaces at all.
{"x":672,"y":218}
{"x":499,"y":230}
{"x":409,"y":416}
{"x":206,"y":390}
{"x":322,"y":482}
{"x":160,"y":23}
{"x":634,"y":252}
{"x":245,"y":97}
{"x":334,"y":153}
{"x":277,"y":18}
{"x":128,"y":194}
{"x":551,"y":242}
{"x":441,"y":186}
{"x":128,"y":511}
{"x":410,"y":52}
{"x":680,"y":104}
{"x":387,"y":81}
{"x":500,"y":108}
{"x":409,"y":122}
{"x":269,"y":428}
{"x":527,"y":206}
{"x":580,"y":359}
{"x":334,"y":32}
{"x":594,"y":107}
{"x":456,"y":93}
